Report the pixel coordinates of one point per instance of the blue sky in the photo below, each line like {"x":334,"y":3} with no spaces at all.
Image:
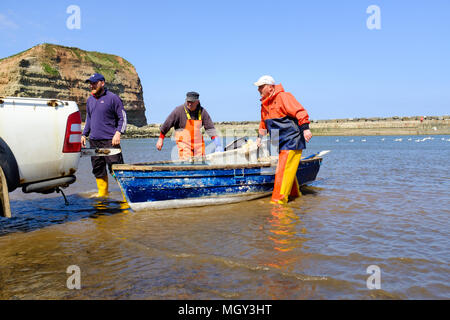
{"x":321,"y":51}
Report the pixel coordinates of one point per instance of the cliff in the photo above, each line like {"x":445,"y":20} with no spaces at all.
{"x":57,"y":72}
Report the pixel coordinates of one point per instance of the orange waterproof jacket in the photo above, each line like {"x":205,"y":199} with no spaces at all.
{"x":282,"y":112}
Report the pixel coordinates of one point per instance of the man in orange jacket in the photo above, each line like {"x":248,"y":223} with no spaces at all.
{"x":283,"y":115}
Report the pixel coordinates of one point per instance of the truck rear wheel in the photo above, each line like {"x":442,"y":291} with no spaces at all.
{"x":5,"y":209}
{"x":9,"y":165}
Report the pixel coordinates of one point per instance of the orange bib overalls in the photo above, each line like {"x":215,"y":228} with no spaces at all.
{"x":190,"y":141}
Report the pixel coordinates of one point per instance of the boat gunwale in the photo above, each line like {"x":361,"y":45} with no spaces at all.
{"x":156,"y":166}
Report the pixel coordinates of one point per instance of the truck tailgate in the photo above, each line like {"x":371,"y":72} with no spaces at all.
{"x":35,"y":133}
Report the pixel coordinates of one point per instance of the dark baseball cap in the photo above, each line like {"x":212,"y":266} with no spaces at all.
{"x":192,"y":96}
{"x":96,"y":77}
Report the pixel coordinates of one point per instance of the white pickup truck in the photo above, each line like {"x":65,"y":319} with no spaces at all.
{"x":40,"y":145}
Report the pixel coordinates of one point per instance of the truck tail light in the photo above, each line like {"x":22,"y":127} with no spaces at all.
{"x":72,"y":139}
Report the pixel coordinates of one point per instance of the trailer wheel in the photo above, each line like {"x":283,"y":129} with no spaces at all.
{"x":9,"y":165}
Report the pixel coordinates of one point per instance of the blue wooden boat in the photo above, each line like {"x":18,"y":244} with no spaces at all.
{"x":171,"y":184}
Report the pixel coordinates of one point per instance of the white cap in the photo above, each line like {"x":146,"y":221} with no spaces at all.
{"x":264,"y":80}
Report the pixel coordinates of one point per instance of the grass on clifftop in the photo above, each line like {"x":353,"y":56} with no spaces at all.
{"x":109,"y":74}
{"x":104,"y":63}
{"x":50,"y":70}
{"x":14,"y":55}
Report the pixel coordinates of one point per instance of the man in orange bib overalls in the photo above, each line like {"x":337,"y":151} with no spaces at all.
{"x":288,"y":122}
{"x":188,"y":120}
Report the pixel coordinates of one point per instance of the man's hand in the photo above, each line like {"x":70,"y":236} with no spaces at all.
{"x":159,"y":144}
{"x":307,"y":134}
{"x":116,"y":139}
{"x":83,"y":141}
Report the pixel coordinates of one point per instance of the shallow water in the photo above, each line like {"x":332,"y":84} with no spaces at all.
{"x":375,"y":202}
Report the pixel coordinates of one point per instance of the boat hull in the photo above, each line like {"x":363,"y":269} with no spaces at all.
{"x":197,"y":202}
{"x":156,"y":186}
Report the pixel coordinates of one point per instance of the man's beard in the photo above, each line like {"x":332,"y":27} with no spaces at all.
{"x":97,"y":92}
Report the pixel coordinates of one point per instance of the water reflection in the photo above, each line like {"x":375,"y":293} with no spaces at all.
{"x":286,"y":236}
{"x":40,"y":213}
{"x":284,"y":254}
{"x":312,"y":188}
{"x":285,"y":229}
{"x":109,"y":207}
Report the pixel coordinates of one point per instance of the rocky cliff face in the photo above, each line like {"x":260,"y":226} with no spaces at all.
{"x":51,"y":71}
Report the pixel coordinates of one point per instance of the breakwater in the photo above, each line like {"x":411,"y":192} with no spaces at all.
{"x":417,"y":125}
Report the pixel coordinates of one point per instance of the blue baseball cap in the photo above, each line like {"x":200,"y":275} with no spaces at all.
{"x":96,"y":77}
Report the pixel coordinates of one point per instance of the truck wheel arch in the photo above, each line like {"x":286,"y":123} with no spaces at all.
{"x":9,"y":165}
